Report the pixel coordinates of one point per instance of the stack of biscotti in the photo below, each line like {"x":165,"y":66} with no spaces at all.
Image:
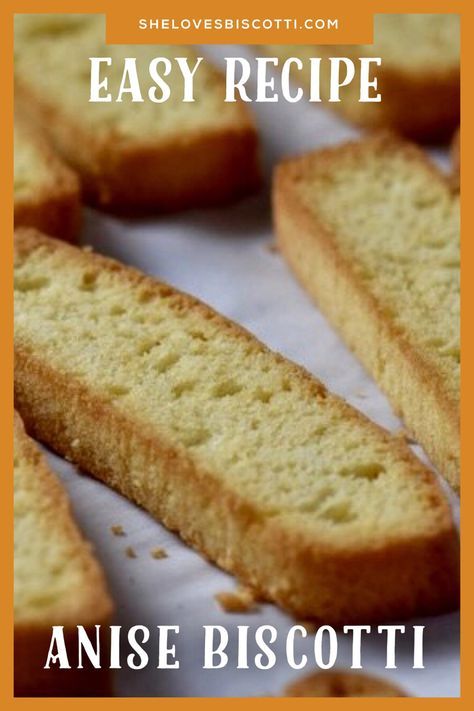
{"x":46,"y":191}
{"x":57,"y":581}
{"x":419,"y":77}
{"x":133,"y":156}
{"x":243,"y":453}
{"x":372,"y":231}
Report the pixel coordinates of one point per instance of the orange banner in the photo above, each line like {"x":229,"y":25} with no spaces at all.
{"x":323,"y":23}
{"x":178,"y":22}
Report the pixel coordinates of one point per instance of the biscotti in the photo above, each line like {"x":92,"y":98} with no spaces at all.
{"x":133,"y":156}
{"x":47,"y":194}
{"x":419,"y":77}
{"x":57,"y":580}
{"x":243,"y":453}
{"x":371,"y":229}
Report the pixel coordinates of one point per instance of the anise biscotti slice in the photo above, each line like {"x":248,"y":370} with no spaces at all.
{"x":57,"y":580}
{"x":47,"y":194}
{"x":243,"y":453}
{"x":419,"y":78}
{"x":133,"y":156}
{"x":371,"y":229}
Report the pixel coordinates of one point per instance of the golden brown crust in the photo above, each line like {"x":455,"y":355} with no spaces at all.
{"x":89,"y":606}
{"x":416,"y":389}
{"x":342,"y":684}
{"x":54,"y":210}
{"x":422,"y":106}
{"x":390,"y":579}
{"x":197,"y":170}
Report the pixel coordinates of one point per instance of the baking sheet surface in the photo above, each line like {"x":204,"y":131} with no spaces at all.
{"x":225,"y":257}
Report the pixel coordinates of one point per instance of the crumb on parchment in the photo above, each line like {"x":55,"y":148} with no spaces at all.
{"x":117,"y":530}
{"x":272,"y":247}
{"x":310,"y":626}
{"x":240,"y":600}
{"x":158,"y":553}
{"x":404,"y":435}
{"x":130,"y":552}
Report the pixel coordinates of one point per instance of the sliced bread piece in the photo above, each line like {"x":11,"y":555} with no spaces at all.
{"x":133,"y":156}
{"x":419,"y":77}
{"x":57,"y":581}
{"x":371,"y":229}
{"x":46,"y":191}
{"x":243,"y":453}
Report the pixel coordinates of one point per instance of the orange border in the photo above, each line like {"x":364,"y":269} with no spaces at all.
{"x":272,"y":9}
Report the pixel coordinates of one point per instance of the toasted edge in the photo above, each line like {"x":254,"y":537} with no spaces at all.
{"x":396,"y":579}
{"x":32,"y":639}
{"x":416,"y":390}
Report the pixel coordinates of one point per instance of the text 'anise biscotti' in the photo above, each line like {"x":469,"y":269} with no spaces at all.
{"x":243,"y":453}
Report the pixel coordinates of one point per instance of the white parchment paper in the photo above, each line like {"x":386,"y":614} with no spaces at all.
{"x":224,"y":257}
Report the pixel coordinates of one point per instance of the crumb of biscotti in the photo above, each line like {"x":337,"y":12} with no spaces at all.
{"x":401,"y":434}
{"x":240,"y":600}
{"x":405,"y":436}
{"x":360,"y":394}
{"x":130,"y":552}
{"x":158,"y":553}
{"x":87,"y":248}
{"x":310,"y":627}
{"x":117,"y":530}
{"x":272,"y":247}
{"x":342,"y":684}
